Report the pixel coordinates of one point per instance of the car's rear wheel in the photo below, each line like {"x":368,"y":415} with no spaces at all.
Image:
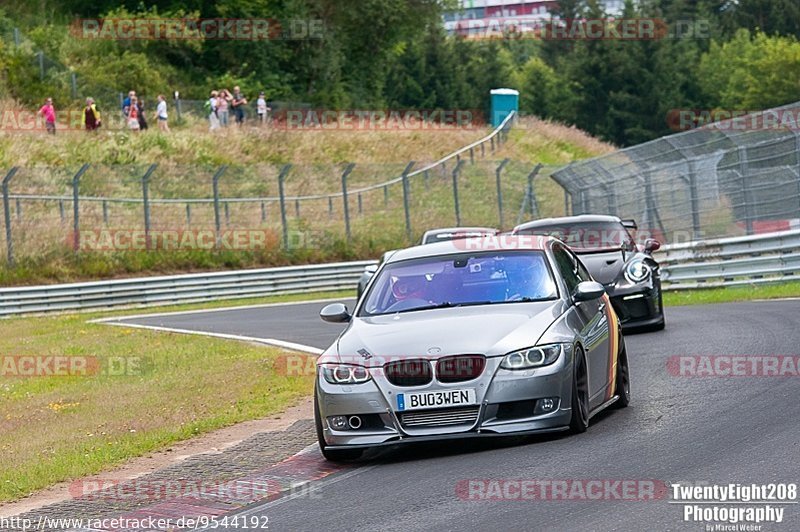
{"x":579,"y":421}
{"x":623,"y":379}
{"x":334,"y":455}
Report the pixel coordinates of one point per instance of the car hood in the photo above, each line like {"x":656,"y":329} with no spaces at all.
{"x":489,"y":330}
{"x":604,"y":265}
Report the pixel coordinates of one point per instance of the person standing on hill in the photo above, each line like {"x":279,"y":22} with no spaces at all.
{"x":238,"y":103}
{"x":211,"y":109}
{"x":140,"y":115}
{"x":49,"y":114}
{"x":133,"y":114}
{"x":126,"y":103}
{"x":261,"y":108}
{"x":91,"y":116}
{"x":161,"y":114}
{"x":222,"y":107}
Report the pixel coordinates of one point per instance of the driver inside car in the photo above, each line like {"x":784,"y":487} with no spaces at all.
{"x":410,"y":287}
{"x":528,"y":279}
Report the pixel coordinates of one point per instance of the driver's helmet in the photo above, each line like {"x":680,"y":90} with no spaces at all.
{"x":409,"y":287}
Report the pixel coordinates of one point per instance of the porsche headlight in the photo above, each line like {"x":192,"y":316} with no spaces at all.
{"x":532,"y":357}
{"x":344,"y":374}
{"x":637,"y":271}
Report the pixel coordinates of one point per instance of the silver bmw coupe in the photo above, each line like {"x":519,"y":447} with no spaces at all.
{"x":494,"y":335}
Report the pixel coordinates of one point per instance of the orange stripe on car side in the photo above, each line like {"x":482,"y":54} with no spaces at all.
{"x":613,"y":347}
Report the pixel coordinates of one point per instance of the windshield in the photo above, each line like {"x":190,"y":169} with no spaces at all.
{"x":586,"y":235}
{"x":460,"y":280}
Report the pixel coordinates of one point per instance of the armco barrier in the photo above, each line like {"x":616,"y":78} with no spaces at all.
{"x":756,"y":259}
{"x":713,"y":263}
{"x":190,"y":288}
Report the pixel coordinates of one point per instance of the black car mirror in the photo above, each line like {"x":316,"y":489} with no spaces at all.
{"x":335,"y":313}
{"x":588,"y":291}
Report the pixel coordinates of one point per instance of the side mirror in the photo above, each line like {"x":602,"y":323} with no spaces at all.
{"x":372,"y":268}
{"x":588,"y":291}
{"x":651,"y":245}
{"x":335,"y":313}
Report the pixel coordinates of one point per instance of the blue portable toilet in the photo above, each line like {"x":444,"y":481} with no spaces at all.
{"x":503,"y":102}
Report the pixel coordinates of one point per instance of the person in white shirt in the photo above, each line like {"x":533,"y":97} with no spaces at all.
{"x":161,"y":114}
{"x":211,"y":107}
{"x":261,"y":108}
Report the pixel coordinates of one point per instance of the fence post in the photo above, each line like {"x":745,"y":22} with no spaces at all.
{"x":695,"y":200}
{"x":7,"y":215}
{"x":105,"y":212}
{"x":385,"y":195}
{"x":178,"y":109}
{"x":227,"y":214}
{"x":74,"y":83}
{"x":360,"y":205}
{"x":215,"y":188}
{"x":472,"y":156}
{"x":456,"y":170}
{"x":347,"y":170}
{"x":188,"y":215}
{"x":146,"y":201}
{"x":406,"y":198}
{"x":40,"y":55}
{"x":263,"y":212}
{"x":744,"y":171}
{"x":297,"y":208}
{"x":330,"y":206}
{"x":500,"y":189}
{"x":76,"y":226}
{"x":284,"y":227}
{"x":62,"y":214}
{"x":533,"y":206}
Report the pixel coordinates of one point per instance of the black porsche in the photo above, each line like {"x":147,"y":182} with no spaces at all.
{"x":628,"y":271}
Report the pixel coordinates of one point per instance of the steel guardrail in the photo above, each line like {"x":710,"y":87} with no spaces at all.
{"x":736,"y":261}
{"x":187,"y":288}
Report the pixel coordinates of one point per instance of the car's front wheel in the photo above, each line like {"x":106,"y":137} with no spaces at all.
{"x":333,"y":455}
{"x":579,"y":421}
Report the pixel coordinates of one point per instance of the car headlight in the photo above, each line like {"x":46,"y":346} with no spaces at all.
{"x":344,"y":374}
{"x":533,"y":357}
{"x":637,"y":271}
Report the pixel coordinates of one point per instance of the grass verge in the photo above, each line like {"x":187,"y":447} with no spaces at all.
{"x":152,"y":389}
{"x":732,"y":294}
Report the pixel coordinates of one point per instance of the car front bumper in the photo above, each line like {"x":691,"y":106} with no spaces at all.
{"x":505,"y":406}
{"x":637,"y":305}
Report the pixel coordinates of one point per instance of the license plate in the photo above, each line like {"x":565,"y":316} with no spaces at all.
{"x":437,"y":399}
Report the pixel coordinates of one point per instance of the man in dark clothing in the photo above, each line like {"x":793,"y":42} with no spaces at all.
{"x":238,"y":104}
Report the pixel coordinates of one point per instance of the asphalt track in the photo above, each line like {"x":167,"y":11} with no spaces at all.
{"x":701,"y":430}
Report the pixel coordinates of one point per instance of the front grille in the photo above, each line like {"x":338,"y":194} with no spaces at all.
{"x":460,"y":368}
{"x":440,"y":418}
{"x":415,"y":372}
